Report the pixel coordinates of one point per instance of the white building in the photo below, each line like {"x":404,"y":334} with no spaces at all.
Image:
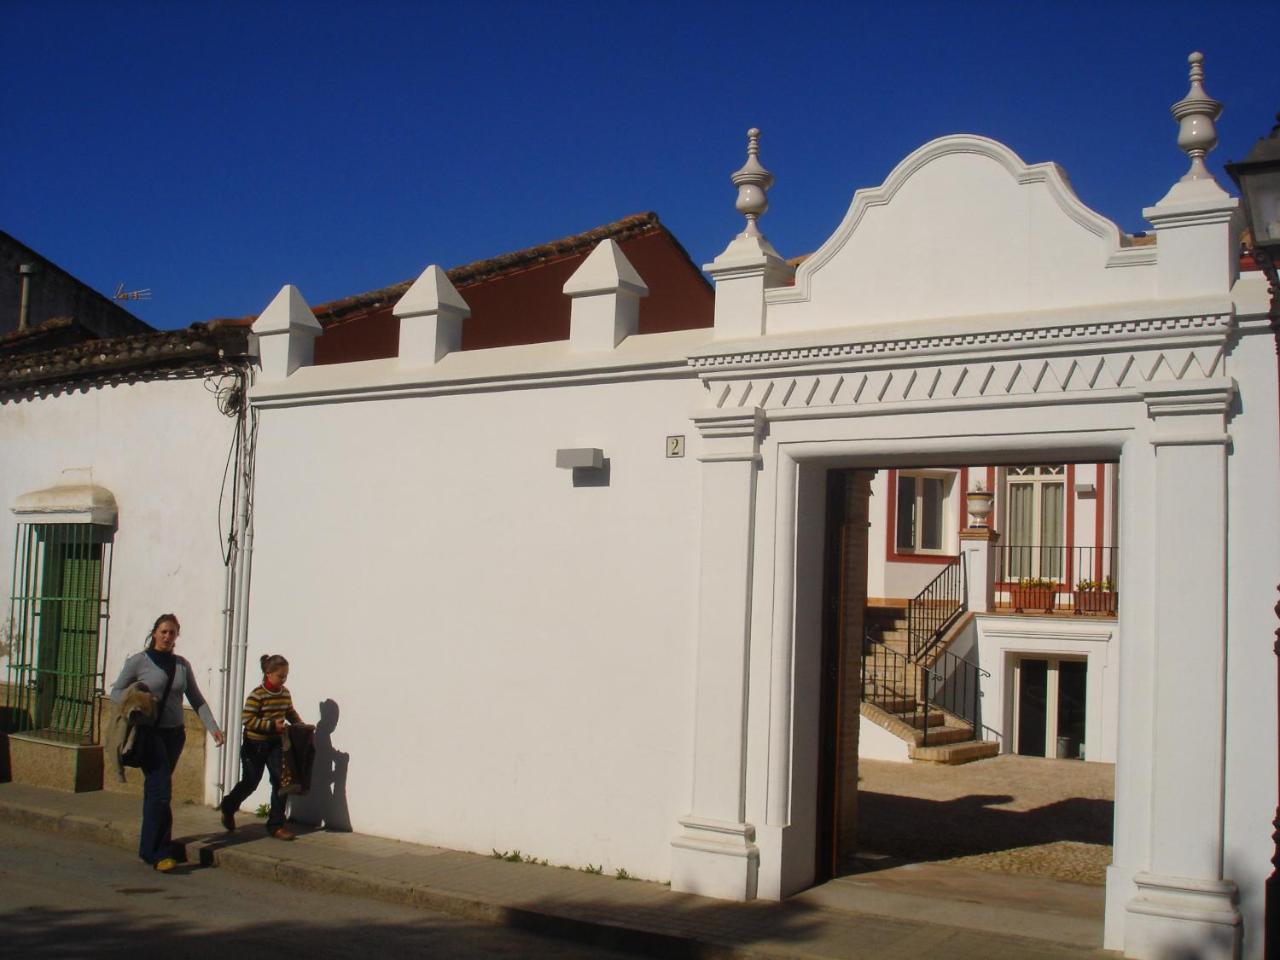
{"x":567,"y":597}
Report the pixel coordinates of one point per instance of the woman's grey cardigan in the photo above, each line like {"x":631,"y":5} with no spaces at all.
{"x":140,"y":667}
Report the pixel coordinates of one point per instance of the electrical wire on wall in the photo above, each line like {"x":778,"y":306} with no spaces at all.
{"x":229,"y":388}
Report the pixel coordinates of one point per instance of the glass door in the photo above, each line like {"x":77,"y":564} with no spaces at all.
{"x":1035,"y":519}
{"x":1049,"y":711}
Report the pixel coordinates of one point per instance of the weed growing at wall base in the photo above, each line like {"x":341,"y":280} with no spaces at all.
{"x":515,"y":856}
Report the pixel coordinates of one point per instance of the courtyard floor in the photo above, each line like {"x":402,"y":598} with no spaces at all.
{"x":1008,"y":814}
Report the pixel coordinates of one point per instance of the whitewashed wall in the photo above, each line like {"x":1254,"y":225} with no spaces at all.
{"x":159,"y":447}
{"x":511,"y":655}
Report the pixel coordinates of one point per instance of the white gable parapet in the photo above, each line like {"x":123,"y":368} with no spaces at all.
{"x":286,"y":332}
{"x":1197,"y":223}
{"x":749,"y":265}
{"x":431,"y":314}
{"x":606,"y":292}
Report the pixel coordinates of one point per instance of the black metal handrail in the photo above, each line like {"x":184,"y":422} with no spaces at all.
{"x":892,"y":682}
{"x":910,"y":690}
{"x":955,"y":685}
{"x":935,"y":608}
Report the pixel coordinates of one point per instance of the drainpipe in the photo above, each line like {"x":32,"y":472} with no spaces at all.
{"x":236,"y":594}
{"x":24,"y":310}
{"x":226,"y":704}
{"x":244,"y":571}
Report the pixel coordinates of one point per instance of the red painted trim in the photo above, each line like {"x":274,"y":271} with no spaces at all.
{"x":1070,"y":492}
{"x":891,"y":525}
{"x":941,"y":559}
{"x":1100,"y":501}
{"x":891,"y":554}
{"x":964,"y":501}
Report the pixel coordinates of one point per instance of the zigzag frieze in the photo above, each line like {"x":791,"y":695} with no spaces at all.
{"x":988,"y":378}
{"x":1210,"y":323}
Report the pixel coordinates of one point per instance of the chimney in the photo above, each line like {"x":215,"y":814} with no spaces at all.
{"x":24,"y":310}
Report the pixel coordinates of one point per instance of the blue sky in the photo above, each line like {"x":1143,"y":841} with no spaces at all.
{"x":215,"y":151}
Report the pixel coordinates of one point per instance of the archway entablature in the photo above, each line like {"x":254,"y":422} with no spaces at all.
{"x":1072,"y":364}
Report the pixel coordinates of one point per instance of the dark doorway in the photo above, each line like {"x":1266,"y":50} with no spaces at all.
{"x":1033,"y":700}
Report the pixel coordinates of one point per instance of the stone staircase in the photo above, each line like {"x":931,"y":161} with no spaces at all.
{"x":890,"y":697}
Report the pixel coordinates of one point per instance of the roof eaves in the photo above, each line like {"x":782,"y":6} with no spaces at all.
{"x":140,"y":356}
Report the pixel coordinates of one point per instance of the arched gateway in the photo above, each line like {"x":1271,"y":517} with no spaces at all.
{"x":972,"y":310}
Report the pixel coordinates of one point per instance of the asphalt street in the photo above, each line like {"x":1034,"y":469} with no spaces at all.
{"x":61,"y":897}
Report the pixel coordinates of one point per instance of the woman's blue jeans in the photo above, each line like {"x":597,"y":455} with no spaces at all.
{"x":164,"y":746}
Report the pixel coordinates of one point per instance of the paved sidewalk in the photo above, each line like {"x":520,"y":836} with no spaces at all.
{"x":844,"y":919}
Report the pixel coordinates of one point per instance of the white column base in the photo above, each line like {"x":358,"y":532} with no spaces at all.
{"x":715,"y":858}
{"x":1180,"y":916}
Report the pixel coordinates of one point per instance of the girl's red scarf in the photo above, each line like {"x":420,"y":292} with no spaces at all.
{"x":272,"y":687}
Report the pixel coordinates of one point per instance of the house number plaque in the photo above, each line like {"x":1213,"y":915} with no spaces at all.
{"x":675,"y":446}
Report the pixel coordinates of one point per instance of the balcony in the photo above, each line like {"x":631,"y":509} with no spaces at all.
{"x":1056,"y":580}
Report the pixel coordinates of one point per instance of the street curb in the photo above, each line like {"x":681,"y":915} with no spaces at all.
{"x":589,"y":932}
{"x":466,"y":906}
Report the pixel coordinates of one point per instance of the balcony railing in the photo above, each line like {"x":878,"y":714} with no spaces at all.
{"x":1054,"y":579}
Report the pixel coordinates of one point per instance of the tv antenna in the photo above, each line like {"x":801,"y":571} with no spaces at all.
{"x":123,"y":294}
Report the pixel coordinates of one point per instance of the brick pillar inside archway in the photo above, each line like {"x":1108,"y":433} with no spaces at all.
{"x":848,"y":505}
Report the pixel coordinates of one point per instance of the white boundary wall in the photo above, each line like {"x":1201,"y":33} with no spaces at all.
{"x":511,"y":654}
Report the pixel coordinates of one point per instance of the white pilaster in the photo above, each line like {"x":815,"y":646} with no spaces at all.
{"x":715,"y":853}
{"x":606,"y":292}
{"x":1183,"y":899}
{"x":978,"y":545}
{"x":286,"y":332}
{"x":431,"y":314}
{"x":743,"y":272}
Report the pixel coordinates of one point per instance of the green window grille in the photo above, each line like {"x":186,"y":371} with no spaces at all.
{"x":58,"y":614}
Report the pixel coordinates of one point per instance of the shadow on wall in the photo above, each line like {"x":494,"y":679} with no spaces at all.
{"x":325,"y":805}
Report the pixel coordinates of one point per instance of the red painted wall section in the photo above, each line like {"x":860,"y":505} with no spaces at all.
{"x":527,"y":305}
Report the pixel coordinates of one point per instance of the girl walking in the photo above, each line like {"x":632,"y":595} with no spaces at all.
{"x":265,"y":711}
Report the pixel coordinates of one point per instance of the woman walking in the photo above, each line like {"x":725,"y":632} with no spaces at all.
{"x":168,"y":677}
{"x":265,"y":711}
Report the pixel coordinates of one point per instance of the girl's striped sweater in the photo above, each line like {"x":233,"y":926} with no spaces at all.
{"x":262,"y":708}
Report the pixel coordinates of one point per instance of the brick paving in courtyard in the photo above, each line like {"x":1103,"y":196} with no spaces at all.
{"x":1007,"y":814}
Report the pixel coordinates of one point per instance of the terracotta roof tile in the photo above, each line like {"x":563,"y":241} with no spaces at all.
{"x":200,"y":346}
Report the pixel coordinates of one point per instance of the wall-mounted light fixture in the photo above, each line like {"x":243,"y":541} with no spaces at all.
{"x":580,"y":458}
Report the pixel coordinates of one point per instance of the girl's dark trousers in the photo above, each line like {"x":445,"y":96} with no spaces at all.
{"x":163,"y":747}
{"x":255,"y":755}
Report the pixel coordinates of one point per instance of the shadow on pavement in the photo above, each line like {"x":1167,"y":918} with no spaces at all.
{"x":912,"y":828}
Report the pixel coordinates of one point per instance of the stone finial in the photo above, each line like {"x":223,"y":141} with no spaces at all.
{"x":286,"y":332}
{"x":1197,"y":222}
{"x":753,"y":182}
{"x":431,"y":314}
{"x":1195,"y":114}
{"x":606,"y":292}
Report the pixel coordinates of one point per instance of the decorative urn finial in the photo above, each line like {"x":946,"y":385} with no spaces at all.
{"x":1195,"y":114}
{"x":752,"y":181}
